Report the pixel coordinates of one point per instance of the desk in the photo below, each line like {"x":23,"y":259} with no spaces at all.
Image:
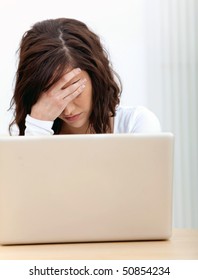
{"x":182,"y":245}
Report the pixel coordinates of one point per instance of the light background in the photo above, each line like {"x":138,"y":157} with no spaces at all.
{"x":153,"y":47}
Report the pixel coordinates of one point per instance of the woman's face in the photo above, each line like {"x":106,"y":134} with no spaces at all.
{"x":76,"y":115}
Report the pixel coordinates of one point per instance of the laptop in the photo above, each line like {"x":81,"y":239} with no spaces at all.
{"x":85,"y":188}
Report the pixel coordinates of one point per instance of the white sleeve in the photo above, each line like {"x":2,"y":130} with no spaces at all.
{"x":36,"y":127}
{"x":145,"y":122}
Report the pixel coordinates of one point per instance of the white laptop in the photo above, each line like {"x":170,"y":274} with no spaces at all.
{"x":85,"y":188}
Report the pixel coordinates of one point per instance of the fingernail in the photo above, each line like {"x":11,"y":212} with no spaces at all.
{"x":78,"y":70}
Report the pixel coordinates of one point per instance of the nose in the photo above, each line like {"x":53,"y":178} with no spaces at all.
{"x":69,"y":109}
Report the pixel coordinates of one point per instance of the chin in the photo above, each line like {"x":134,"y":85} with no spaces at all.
{"x":77,"y":124}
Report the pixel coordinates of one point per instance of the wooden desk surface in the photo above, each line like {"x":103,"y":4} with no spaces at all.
{"x":182,"y":245}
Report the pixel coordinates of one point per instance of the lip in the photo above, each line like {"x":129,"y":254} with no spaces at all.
{"x":72,"y":118}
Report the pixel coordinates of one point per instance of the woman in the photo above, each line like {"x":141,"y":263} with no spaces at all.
{"x":65,"y":85}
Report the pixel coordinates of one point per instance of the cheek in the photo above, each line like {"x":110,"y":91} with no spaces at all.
{"x":84,"y":99}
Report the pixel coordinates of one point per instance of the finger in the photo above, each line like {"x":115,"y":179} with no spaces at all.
{"x":72,"y":88}
{"x":64,"y":80}
{"x":74,"y":94}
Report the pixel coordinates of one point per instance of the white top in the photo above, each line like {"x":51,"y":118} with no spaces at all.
{"x":127,"y":120}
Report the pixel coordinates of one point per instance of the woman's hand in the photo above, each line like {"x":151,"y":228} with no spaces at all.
{"x":52,"y":102}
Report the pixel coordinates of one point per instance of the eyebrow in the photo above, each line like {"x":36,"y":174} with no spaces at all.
{"x":64,"y":87}
{"x":75,"y":81}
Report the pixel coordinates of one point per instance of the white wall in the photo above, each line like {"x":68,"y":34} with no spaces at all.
{"x":171,"y":28}
{"x":148,"y":44}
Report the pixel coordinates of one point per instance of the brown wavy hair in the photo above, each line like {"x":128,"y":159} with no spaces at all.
{"x":45,"y":51}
